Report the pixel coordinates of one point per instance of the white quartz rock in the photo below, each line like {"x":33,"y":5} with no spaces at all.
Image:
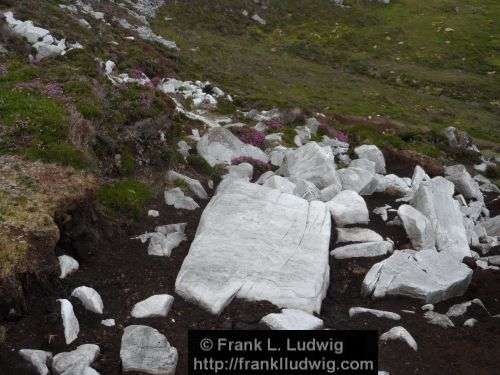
{"x":464,"y":183}
{"x":145,"y":350}
{"x":38,"y":359}
{"x":155,"y":306}
{"x":306,"y":190}
{"x":70,"y":323}
{"x":418,"y":228}
{"x":426,"y":275}
{"x":353,"y":311}
{"x":438,"y":319}
{"x":359,"y":180}
{"x":175,"y":197}
{"x":372,"y":153}
{"x":400,"y":333}
{"x":357,"y":235}
{"x":244,"y":222}
{"x":68,"y":265}
{"x":348,"y":207}
{"x":194,"y":185}
{"x":108,"y":322}
{"x":290,"y":319}
{"x":470,"y":322}
{"x":164,"y":239}
{"x":362,"y":250}
{"x":90,"y":299}
{"x":364,"y":164}
{"x":76,"y":362}
{"x":461,"y":308}
{"x":280,"y":183}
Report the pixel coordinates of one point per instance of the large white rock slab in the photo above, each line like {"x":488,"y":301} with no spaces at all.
{"x":353,"y":311}
{"x":38,"y":359}
{"x":70,"y":323}
{"x":257,"y":243}
{"x":154,"y":306}
{"x":435,"y":200}
{"x":290,"y":319}
{"x":194,"y":185}
{"x":312,"y":163}
{"x":348,"y":207}
{"x":399,"y":333}
{"x":144,"y":349}
{"x":220,"y":146}
{"x":373,"y":153}
{"x":357,"y":235}
{"x":90,"y":299}
{"x":77,"y":361}
{"x":68,"y":265}
{"x":418,"y":228}
{"x":426,"y":275}
{"x":363,"y":250}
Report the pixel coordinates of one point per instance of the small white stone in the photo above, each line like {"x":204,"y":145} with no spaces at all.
{"x":70,"y":323}
{"x":470,"y":322}
{"x":428,"y":307}
{"x":90,"y":299}
{"x":154,"y":306}
{"x":291,"y":319}
{"x":175,"y":197}
{"x":68,"y":265}
{"x":38,"y":359}
{"x":108,"y":322}
{"x":153,"y":213}
{"x":353,"y":311}
{"x":400,"y":333}
{"x":438,"y":319}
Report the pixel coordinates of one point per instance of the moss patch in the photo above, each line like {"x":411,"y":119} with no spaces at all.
{"x":125,"y":197}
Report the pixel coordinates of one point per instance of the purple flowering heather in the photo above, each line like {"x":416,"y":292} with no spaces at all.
{"x":274,"y":124}
{"x":252,"y":137}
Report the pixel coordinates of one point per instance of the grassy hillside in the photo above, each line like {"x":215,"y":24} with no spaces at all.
{"x":428,"y":64}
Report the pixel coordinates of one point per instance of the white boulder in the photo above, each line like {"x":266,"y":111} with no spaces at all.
{"x":357,"y":235}
{"x":438,"y":319}
{"x":363,"y":250}
{"x":356,"y":179}
{"x":76,"y":362}
{"x":399,"y":333}
{"x":426,"y":275}
{"x":68,"y":265}
{"x":220,"y":146}
{"x":175,"y":197}
{"x":144,"y":349}
{"x":306,"y":190}
{"x":194,"y":185}
{"x":245,"y":222}
{"x":290,"y":319}
{"x":418,"y":227}
{"x":164,"y":239}
{"x":155,"y":306}
{"x":348,"y":207}
{"x":38,"y":359}
{"x":464,"y":183}
{"x":280,"y":183}
{"x":70,"y":323}
{"x":90,"y":299}
{"x":492,"y":226}
{"x":373,"y":153}
{"x":353,"y":311}
{"x":108,"y":322}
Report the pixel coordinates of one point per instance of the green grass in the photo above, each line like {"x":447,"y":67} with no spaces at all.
{"x":369,"y":59}
{"x":125,"y":197}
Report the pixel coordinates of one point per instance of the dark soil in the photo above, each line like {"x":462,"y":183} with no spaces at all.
{"x":122,"y":272}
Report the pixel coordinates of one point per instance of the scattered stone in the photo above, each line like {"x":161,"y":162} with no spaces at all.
{"x":382,"y":212}
{"x":183,"y":147}
{"x":348,"y":207}
{"x":144,"y":349}
{"x":77,"y":361}
{"x":373,"y":153}
{"x":399,"y":333}
{"x":70,"y":323}
{"x":392,"y":183}
{"x":353,"y":311}
{"x":38,"y":359}
{"x":288,"y":234}
{"x":461,"y":308}
{"x":356,"y":179}
{"x":438,"y":319}
{"x":175,"y":197}
{"x":357,"y":235}
{"x":306,"y":190}
{"x":428,"y":307}
{"x":426,"y":275}
{"x":68,"y":265}
{"x":90,"y":299}
{"x":290,"y":319}
{"x":220,"y":146}
{"x":264,"y":176}
{"x":194,"y":185}
{"x":470,"y":322}
{"x":152,"y":307}
{"x":242,"y":170}
{"x":418,"y":227}
{"x":258,"y":19}
{"x":464,"y":183}
{"x":108,"y":322}
{"x":313,"y":125}
{"x":460,"y":140}
{"x":328,"y":193}
{"x":312,"y":163}
{"x":364,"y":164}
{"x":435,"y":200}
{"x":363,"y":250}
{"x":164,"y":239}
{"x":153,"y":213}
